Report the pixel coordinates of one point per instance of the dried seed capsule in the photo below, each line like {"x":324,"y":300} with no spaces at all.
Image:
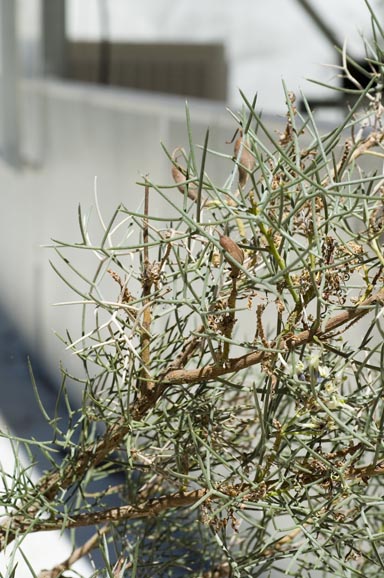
{"x":179,"y":176}
{"x":234,"y":251}
{"x":246,"y":160}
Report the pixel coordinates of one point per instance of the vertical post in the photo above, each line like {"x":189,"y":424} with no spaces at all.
{"x":9,"y":87}
{"x":54,"y":38}
{"x":105,"y":47}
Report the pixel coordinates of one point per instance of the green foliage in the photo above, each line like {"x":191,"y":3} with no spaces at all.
{"x":232,"y":356}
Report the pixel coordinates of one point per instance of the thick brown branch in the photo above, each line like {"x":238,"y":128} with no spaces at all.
{"x":148,"y":509}
{"x":153,"y":507}
{"x":289,"y":342}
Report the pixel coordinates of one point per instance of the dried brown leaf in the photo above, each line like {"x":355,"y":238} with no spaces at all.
{"x":246,"y":160}
{"x":234,"y":251}
{"x":179,"y":175}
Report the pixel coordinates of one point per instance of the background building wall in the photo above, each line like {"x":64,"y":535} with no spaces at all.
{"x":265,"y":40}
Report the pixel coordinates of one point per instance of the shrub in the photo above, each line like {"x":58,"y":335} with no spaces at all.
{"x":232,"y":355}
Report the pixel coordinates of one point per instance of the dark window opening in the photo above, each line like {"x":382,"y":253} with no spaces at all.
{"x":185,"y":69}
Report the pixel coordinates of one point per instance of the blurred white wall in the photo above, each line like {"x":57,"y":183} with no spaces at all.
{"x":29,"y":30}
{"x":266,"y":40}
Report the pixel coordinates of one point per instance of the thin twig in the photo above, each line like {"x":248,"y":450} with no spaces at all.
{"x":146,"y":385}
{"x":230,"y":318}
{"x":148,"y":509}
{"x":187,"y":351}
{"x":77,"y":554}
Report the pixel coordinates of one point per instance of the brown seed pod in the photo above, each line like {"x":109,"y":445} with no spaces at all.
{"x":234,"y":251}
{"x":179,"y":176}
{"x":246,"y":160}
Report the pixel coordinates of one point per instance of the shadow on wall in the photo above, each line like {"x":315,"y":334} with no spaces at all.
{"x":19,"y":405}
